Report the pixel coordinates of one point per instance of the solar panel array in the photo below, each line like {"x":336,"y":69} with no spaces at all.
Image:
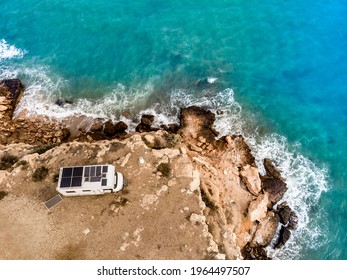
{"x":73,"y":176}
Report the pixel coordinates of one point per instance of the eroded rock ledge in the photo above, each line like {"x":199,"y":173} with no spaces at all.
{"x":189,"y":194}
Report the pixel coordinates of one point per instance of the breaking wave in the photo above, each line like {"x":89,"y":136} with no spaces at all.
{"x":8,"y":51}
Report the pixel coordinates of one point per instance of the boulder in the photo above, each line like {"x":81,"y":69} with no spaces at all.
{"x":283,"y":237}
{"x":97,"y":126}
{"x":275,"y":188}
{"x":250,"y":176}
{"x":145,"y":124}
{"x":149,"y":140}
{"x":121,"y":127}
{"x":254,"y":253}
{"x":196,"y":121}
{"x":173,"y":127}
{"x":284,"y":211}
{"x":258,"y":208}
{"x":11,"y":88}
{"x":127,"y":115}
{"x":266,"y":230}
{"x":109,"y":128}
{"x":245,"y":153}
{"x":147,"y":120}
{"x":10,"y":91}
{"x":228,"y":140}
{"x":61,"y":102}
{"x":272,"y":170}
{"x":202,"y":82}
{"x":143,"y":128}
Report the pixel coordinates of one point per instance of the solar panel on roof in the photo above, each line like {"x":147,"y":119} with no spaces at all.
{"x":92,"y":171}
{"x":86,"y":171}
{"x":104,"y":169}
{"x":65,"y":182}
{"x":77,"y":171}
{"x":67,"y":172}
{"x":98,"y":171}
{"x":76,"y":181}
{"x":104,"y":182}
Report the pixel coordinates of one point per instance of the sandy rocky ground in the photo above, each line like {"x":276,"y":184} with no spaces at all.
{"x":188,"y":195}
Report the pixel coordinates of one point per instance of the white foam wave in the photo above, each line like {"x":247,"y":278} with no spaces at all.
{"x":211,"y":80}
{"x":43,"y":88}
{"x":8,"y":51}
{"x":306,"y":182}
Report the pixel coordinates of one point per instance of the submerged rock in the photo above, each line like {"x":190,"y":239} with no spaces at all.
{"x":127,"y":115}
{"x":61,"y":102}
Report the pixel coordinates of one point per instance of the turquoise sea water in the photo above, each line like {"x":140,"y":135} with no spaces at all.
{"x":278,"y":69}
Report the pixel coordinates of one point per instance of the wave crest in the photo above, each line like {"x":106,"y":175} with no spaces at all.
{"x":8,"y":51}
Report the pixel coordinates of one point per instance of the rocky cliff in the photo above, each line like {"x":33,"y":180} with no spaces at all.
{"x":189,"y":194}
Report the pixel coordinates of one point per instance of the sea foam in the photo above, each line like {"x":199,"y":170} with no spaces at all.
{"x":8,"y":51}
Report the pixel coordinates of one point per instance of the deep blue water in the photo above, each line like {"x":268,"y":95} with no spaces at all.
{"x":279,"y":71}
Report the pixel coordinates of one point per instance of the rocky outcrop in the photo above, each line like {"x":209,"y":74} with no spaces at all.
{"x":208,"y":191}
{"x":271,"y":170}
{"x":254,"y":253}
{"x":30,"y":130}
{"x":284,"y":212}
{"x":266,"y":230}
{"x":146,"y":124}
{"x":275,"y":188}
{"x":197,"y":122}
{"x":10,"y":92}
{"x":250,"y":176}
{"x":111,"y":129}
{"x":258,"y":208}
{"x":283,"y":237}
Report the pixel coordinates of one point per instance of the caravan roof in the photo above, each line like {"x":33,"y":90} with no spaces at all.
{"x":89,"y":178}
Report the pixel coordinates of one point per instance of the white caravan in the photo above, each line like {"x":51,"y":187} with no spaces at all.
{"x":89,"y":180}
